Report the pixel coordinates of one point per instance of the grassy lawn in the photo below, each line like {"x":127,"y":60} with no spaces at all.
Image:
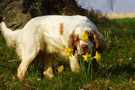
{"x":116,"y":72}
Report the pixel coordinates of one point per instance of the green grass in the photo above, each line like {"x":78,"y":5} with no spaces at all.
{"x":116,"y":72}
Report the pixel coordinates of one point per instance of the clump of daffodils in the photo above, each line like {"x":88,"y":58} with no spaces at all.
{"x":86,"y":57}
{"x":69,"y":52}
{"x":60,"y":68}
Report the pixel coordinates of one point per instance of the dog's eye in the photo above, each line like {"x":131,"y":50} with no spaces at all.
{"x":90,"y":38}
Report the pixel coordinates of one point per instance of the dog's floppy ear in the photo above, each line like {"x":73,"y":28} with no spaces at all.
{"x":73,"y":41}
{"x":98,"y":41}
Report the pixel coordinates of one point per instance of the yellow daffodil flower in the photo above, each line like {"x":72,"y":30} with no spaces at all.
{"x":60,"y":68}
{"x":97,"y":57}
{"x":86,"y":57}
{"x":69,"y":52}
{"x":109,"y":41}
{"x":85,"y":37}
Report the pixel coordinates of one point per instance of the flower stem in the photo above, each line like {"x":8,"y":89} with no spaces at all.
{"x":91,"y":69}
{"x":89,"y":66}
{"x":91,"y":59}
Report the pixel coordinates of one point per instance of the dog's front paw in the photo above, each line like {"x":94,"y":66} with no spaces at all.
{"x":74,"y":65}
{"x":75,"y":68}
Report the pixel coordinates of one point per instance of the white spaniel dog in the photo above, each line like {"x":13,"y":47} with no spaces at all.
{"x":47,"y":35}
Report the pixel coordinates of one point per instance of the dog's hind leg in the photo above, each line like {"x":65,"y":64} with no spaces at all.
{"x":29,"y":53}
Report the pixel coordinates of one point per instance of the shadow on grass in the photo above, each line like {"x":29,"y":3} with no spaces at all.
{"x":125,"y":71}
{"x":129,"y":69}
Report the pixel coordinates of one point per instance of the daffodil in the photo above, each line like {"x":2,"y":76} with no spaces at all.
{"x":69,"y":52}
{"x":85,"y":37}
{"x":60,"y":68}
{"x":97,"y":57}
{"x":109,"y":41}
{"x":86,"y":57}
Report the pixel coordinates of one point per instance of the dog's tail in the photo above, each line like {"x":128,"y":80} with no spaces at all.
{"x":10,"y":36}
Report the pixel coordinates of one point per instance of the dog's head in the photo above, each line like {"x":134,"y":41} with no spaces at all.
{"x":95,"y":42}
